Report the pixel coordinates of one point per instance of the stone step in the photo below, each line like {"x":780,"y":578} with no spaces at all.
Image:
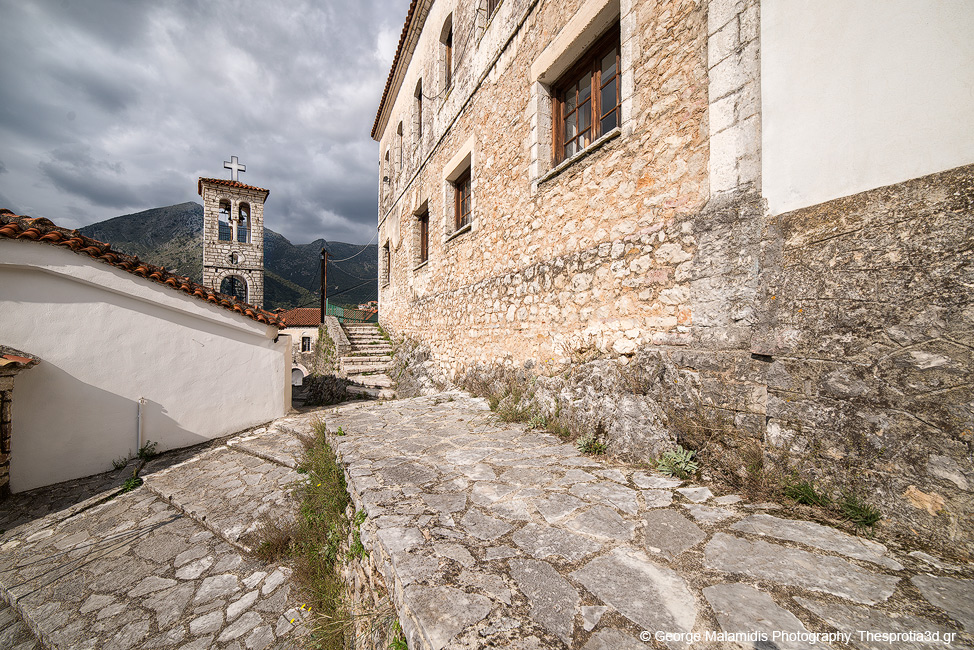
{"x":380,"y":381}
{"x":372,"y":349}
{"x":372,"y":392}
{"x":365,"y":360}
{"x":367,"y":340}
{"x":356,"y":369}
{"x":228,"y":490}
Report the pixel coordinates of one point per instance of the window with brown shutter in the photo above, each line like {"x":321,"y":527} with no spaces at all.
{"x":586,"y":99}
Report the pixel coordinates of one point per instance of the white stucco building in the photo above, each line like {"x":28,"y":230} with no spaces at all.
{"x":129,"y":353}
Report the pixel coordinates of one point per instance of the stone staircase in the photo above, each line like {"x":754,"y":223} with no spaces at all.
{"x":366,"y":364}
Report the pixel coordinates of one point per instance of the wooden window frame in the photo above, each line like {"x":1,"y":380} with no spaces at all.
{"x":424,"y":235}
{"x":463,"y":200}
{"x":588,"y":63}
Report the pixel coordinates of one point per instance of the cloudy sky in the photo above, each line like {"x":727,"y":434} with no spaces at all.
{"x":115,"y":106}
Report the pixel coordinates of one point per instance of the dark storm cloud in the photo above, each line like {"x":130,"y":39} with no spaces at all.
{"x":114,"y":106}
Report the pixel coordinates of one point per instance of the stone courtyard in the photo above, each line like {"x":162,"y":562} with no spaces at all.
{"x":487,"y":535}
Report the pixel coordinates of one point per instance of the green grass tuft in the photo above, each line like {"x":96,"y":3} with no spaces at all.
{"x":855,"y":509}
{"x":805,"y":492}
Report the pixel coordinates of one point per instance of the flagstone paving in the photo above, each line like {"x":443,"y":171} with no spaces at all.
{"x":162,"y":566}
{"x":487,"y":534}
{"x":491,"y":535}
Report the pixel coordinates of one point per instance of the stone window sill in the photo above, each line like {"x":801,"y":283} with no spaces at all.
{"x":422,"y":265}
{"x":584,"y":153}
{"x":457,"y":233}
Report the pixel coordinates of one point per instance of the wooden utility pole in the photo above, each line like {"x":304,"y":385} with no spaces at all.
{"x":324,"y":282}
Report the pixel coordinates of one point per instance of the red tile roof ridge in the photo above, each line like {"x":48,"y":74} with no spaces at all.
{"x":13,"y":226}
{"x":228,"y":183}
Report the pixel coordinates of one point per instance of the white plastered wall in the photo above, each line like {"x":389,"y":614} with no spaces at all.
{"x":106,"y":338}
{"x":857,"y":94}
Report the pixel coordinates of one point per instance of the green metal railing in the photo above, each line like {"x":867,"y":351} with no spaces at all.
{"x":352,"y":315}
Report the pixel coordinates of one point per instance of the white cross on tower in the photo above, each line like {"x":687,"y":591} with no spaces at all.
{"x":234,"y":167}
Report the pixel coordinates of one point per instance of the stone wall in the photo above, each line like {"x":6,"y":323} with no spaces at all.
{"x":593,"y":250}
{"x":867,"y":320}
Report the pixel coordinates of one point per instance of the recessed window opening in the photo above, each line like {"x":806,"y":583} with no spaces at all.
{"x":385,"y":263}
{"x":419,"y":110}
{"x":243,"y":224}
{"x":306,"y":344}
{"x":400,"y":162}
{"x":223,"y":220}
{"x":423,"y":219}
{"x":462,"y":206}
{"x":492,"y":6}
{"x":587,"y":99}
{"x":446,"y":41}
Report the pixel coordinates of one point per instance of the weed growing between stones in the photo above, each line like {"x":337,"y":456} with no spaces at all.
{"x":855,"y":509}
{"x":677,"y":462}
{"x":320,"y":544}
{"x":356,"y":549}
{"x":589,"y":444}
{"x":147,"y":451}
{"x":119,"y":463}
{"x":805,"y":492}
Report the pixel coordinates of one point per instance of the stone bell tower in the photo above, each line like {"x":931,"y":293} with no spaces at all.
{"x":233,"y":235}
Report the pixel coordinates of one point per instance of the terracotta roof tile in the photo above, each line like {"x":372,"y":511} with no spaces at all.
{"x":302,"y":317}
{"x":227,"y":183}
{"x":13,"y":359}
{"x":13,"y":226}
{"x":395,"y":62}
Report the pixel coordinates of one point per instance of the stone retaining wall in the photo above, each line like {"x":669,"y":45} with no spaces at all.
{"x":834,"y":341}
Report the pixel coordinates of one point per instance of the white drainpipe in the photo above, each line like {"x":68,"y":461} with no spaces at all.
{"x":138,"y":441}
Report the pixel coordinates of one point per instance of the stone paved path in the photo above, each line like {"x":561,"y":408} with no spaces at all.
{"x":490,"y":535}
{"x":162,"y":566}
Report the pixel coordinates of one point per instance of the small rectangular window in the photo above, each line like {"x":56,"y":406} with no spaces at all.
{"x":492,"y":6}
{"x":462,"y":200}
{"x":306,"y":344}
{"x":424,"y":236}
{"x":385,"y":261}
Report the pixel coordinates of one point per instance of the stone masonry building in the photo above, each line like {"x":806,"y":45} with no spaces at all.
{"x":233,"y":238}
{"x":771,"y":199}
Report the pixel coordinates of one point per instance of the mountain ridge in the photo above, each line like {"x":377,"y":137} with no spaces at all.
{"x":172,"y":236}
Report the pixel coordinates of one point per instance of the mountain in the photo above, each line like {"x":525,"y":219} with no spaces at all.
{"x":173,"y":237}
